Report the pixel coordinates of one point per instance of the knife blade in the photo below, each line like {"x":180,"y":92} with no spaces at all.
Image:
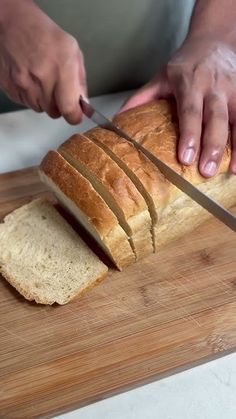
{"x":174,"y":177}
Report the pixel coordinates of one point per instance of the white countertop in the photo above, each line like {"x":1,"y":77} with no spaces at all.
{"x":203,"y":392}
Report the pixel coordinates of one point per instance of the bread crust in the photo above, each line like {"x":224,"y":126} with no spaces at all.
{"x":129,"y":203}
{"x":79,"y":190}
{"x":107,"y":171}
{"x":155,"y":126}
{"x":34,"y":297}
{"x":18,"y":220}
{"x":160,"y":135}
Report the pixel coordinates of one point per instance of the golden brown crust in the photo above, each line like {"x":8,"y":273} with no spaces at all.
{"x":88,"y":288}
{"x":107,"y":171}
{"x":12,"y":272}
{"x":154,"y":125}
{"x":80,"y":191}
{"x":33,"y":297}
{"x":147,"y":173}
{"x":146,"y":118}
{"x":119,"y":247}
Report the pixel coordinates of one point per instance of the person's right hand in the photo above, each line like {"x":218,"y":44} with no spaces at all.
{"x":41,"y":66}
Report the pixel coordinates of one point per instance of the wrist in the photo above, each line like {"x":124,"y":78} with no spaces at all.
{"x":217,"y":35}
{"x":213,"y":21}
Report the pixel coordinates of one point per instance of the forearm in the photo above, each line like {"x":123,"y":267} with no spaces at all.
{"x":214,"y":18}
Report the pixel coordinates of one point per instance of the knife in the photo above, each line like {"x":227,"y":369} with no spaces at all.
{"x":174,"y":177}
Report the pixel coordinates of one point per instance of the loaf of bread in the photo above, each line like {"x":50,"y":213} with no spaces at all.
{"x":147,"y":178}
{"x":115,"y":187}
{"x":155,"y":126}
{"x":148,"y":208}
{"x":44,"y":258}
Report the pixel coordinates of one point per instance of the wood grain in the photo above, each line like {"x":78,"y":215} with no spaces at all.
{"x":174,"y":310}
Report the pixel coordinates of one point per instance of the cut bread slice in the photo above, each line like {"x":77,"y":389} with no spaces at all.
{"x":115,"y":187}
{"x":155,"y":126}
{"x":79,"y":197}
{"x":144,"y":174}
{"x":44,"y":258}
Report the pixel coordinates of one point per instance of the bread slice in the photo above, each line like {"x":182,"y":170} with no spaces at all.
{"x":44,"y":258}
{"x":144,"y":174}
{"x":115,"y":187}
{"x":78,"y":196}
{"x":155,"y":126}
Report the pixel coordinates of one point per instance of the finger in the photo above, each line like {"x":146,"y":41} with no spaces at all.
{"x":45,"y":80}
{"x":216,"y":120}
{"x":48,"y":103}
{"x":13,"y":92}
{"x":155,"y":89}
{"x":232,"y":167}
{"x":67,"y":93}
{"x":14,"y":95}
{"x":82,"y":76}
{"x":232,"y":120}
{"x":30,"y":99}
{"x":53,"y":110}
{"x":16,"y":82}
{"x":51,"y":107}
{"x":25,"y":90}
{"x":190,"y":111}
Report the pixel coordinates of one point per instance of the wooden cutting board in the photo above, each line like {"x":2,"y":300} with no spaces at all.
{"x":165,"y":314}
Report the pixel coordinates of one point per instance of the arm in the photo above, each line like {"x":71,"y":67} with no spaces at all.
{"x":41,"y":66}
{"x":214,"y":18}
{"x":202,"y":77}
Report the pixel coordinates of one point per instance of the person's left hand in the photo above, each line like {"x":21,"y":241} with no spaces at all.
{"x":202,"y":77}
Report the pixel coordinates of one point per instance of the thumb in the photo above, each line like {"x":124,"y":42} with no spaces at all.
{"x":155,"y":89}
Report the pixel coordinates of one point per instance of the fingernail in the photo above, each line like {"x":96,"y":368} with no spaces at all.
{"x":85,"y":98}
{"x":210,"y":168}
{"x":188,"y":156}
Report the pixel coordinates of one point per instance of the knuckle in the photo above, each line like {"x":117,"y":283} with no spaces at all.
{"x":73,"y":41}
{"x":217,"y":107}
{"x":215,"y":98}
{"x":20,"y":79}
{"x":182,"y":82}
{"x":202,"y":70}
{"x":191,"y":109}
{"x":71,"y":44}
{"x":39,"y":75}
{"x":215,"y":150}
{"x":219,"y":114}
{"x":69,"y":54}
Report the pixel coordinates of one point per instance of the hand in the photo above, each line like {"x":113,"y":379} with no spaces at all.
{"x":41,"y":66}
{"x":202,"y":77}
